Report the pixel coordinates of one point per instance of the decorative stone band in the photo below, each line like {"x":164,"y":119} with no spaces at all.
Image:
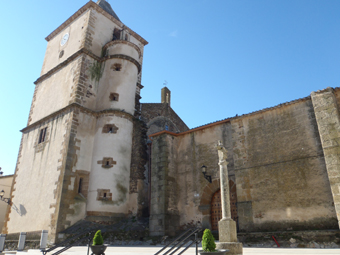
{"x":92,"y":5}
{"x":65,"y":63}
{"x":121,"y":56}
{"x":109,"y":44}
{"x":73,"y":106}
{"x":90,"y":54}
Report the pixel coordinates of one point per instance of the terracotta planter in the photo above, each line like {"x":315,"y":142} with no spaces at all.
{"x":218,"y":252}
{"x":98,"y":249}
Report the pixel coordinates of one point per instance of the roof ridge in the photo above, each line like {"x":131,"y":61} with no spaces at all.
{"x":258,"y":111}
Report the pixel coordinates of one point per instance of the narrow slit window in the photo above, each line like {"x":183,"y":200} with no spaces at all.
{"x":104,"y":194}
{"x":107,"y":163}
{"x":110,"y":130}
{"x":80,"y":186}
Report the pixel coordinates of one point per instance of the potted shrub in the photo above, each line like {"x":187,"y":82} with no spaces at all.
{"x":98,"y":246}
{"x":208,"y":244}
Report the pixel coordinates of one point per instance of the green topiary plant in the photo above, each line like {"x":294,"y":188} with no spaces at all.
{"x":208,"y":241}
{"x":98,"y":239}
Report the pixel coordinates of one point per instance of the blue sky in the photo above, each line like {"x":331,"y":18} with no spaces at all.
{"x":219,"y":57}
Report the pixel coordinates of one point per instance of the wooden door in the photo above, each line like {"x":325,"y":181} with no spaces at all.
{"x":216,"y":208}
{"x":233,"y":200}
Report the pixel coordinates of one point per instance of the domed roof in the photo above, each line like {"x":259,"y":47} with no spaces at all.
{"x":107,"y":7}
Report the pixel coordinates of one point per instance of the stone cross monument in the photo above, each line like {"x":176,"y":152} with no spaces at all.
{"x":226,"y":226}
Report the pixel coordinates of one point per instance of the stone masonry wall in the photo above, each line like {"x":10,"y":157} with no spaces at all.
{"x":280,"y":171}
{"x":194,"y":150}
{"x":327,"y":116}
{"x":138,"y":173}
{"x":188,"y":194}
{"x":275,"y":158}
{"x":71,"y":205}
{"x":164,"y":218}
{"x":41,"y":161}
{"x":157,"y":116}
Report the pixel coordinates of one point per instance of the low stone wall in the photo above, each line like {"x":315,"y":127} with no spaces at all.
{"x":12,"y":245}
{"x":32,"y":241}
{"x":288,"y":239}
{"x":292,"y":239}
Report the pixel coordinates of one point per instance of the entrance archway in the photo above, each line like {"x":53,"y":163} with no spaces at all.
{"x":216,"y":208}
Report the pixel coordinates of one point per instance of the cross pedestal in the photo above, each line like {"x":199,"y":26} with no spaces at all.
{"x":228,"y":237}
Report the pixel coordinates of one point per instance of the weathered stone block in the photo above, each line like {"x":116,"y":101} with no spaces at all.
{"x":227,"y":230}
{"x":235,"y":248}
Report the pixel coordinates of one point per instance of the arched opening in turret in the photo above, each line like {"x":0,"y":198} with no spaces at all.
{"x":116,"y":34}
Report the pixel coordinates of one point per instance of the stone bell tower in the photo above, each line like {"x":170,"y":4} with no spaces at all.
{"x":75,"y":153}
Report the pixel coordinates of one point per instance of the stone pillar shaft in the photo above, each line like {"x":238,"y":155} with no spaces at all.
{"x":225,"y":199}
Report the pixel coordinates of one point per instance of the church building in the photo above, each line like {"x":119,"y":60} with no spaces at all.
{"x":92,"y":151}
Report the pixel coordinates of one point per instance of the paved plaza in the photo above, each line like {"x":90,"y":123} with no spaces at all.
{"x":150,"y":250}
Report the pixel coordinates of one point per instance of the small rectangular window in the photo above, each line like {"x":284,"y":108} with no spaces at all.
{"x":114,"y":97}
{"x":104,"y":195}
{"x":110,"y":128}
{"x":42,"y":135}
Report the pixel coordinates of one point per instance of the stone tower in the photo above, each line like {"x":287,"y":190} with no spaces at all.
{"x":75,"y":154}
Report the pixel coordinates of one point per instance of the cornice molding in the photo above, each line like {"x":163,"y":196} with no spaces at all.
{"x":122,"y":56}
{"x":90,"y":54}
{"x":96,"y":7}
{"x":123,"y":42}
{"x":72,"y":107}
